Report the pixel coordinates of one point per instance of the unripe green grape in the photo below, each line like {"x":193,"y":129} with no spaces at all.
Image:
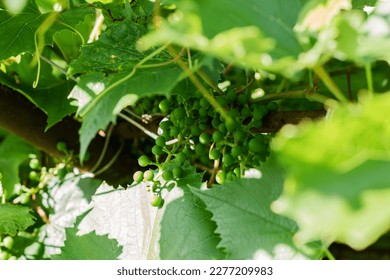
{"x":8,"y":242}
{"x":215,"y":122}
{"x":156,"y":200}
{"x":4,"y":255}
{"x":143,"y":161}
{"x":239,"y":136}
{"x":138,"y":176}
{"x":179,"y":113}
{"x":217,"y":136}
{"x":61,"y":146}
{"x":257,"y":145}
{"x":203,"y":125}
{"x":220,"y":177}
{"x":227,"y":159}
{"x":259,"y":112}
{"x":237,"y":151}
{"x":231,"y":125}
{"x":242,"y":99}
{"x":34,"y":164}
{"x":177,"y":172}
{"x":33,"y":176}
{"x":175,"y":131}
{"x":157,"y":150}
{"x":164,"y":106}
{"x":231,"y":96}
{"x":237,"y":171}
{"x":200,"y":149}
{"x":24,"y":198}
{"x":167,"y":175}
{"x":214,"y":154}
{"x":204,"y":138}
{"x":189,"y":121}
{"x":160,"y":141}
{"x":181,"y":157}
{"x":166,"y":125}
{"x":245,"y":112}
{"x":148,"y":175}
{"x":195,"y":130}
{"x":230,"y":176}
{"x":222,"y":128}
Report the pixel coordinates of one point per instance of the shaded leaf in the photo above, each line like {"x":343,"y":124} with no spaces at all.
{"x":251,"y":33}
{"x":245,"y":222}
{"x":187,"y":231}
{"x":337,"y":187}
{"x":14,"y":218}
{"x":13,"y":152}
{"x":88,"y":247}
{"x":24,"y":25}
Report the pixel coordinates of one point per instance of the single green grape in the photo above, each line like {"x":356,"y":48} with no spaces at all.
{"x":217,"y":136}
{"x":214,"y":154}
{"x":138,"y":176}
{"x":237,"y":151}
{"x":204,"y":138}
{"x":181,"y":157}
{"x":157,"y":150}
{"x":148,"y":175}
{"x":195,"y":130}
{"x":177,"y":172}
{"x":227,"y":159}
{"x":34,"y":164}
{"x":165,"y":106}
{"x":220,"y":177}
{"x":8,"y":242}
{"x":204,"y":103}
{"x":231,"y":125}
{"x":62,"y":147}
{"x":143,"y":161}
{"x":160,"y":141}
{"x":34,"y":176}
{"x":166,"y":125}
{"x":175,"y":131}
{"x":156,"y":200}
{"x":167,"y":175}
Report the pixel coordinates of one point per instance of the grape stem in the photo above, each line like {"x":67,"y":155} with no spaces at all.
{"x":309,"y":94}
{"x":139,"y":126}
{"x":210,"y":82}
{"x":213,"y":173}
{"x":199,"y":85}
{"x":370,"y":84}
{"x":111,"y":162}
{"x":103,"y":153}
{"x":329,"y":83}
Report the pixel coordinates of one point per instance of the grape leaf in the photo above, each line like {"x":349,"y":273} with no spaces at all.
{"x":23,"y":26}
{"x":364,"y":39}
{"x":101,"y":98}
{"x":13,"y":152}
{"x":252,"y":33}
{"x":14,"y":218}
{"x":337,"y":187}
{"x":187,"y":232}
{"x":88,"y":247}
{"x":124,"y":215}
{"x":63,"y":203}
{"x":245,"y":222}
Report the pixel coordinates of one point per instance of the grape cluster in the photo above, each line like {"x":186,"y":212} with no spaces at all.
{"x":193,"y":131}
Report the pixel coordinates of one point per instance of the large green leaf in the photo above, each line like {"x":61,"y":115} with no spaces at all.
{"x":338,"y":184}
{"x":101,"y":98}
{"x":253,"y":33}
{"x":364,"y":39}
{"x":14,"y":218}
{"x":187,"y":231}
{"x":24,"y":26}
{"x":126,"y":216}
{"x":245,"y":222}
{"x":88,"y":247}
{"x":13,"y":152}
